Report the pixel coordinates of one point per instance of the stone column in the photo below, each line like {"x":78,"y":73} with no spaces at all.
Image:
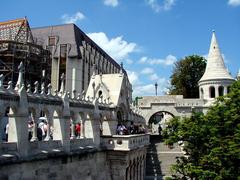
{"x":18,"y":131}
{"x":92,"y":127}
{"x":47,"y":138}
{"x":61,"y":130}
{"x":216,"y":91}
{"x":225,"y":90}
{"x":34,"y":133}
{"x":72,"y":129}
{"x":82,"y":132}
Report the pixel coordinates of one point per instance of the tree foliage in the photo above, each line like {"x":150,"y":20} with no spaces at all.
{"x":186,"y":74}
{"x":211,"y":141}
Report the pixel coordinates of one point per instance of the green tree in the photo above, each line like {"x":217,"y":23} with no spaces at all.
{"x":211,"y":141}
{"x":186,"y":74}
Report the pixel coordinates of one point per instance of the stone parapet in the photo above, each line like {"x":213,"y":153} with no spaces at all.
{"x":124,"y":142}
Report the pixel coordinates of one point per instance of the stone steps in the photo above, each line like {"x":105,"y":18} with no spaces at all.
{"x":159,"y":159}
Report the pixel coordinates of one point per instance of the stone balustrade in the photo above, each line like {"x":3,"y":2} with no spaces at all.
{"x":61,"y":112}
{"x":125,"y":142}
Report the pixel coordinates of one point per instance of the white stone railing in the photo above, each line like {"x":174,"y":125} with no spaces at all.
{"x":125,"y":142}
{"x":35,"y":147}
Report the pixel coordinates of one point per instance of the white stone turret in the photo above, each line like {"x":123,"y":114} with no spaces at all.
{"x":216,"y":78}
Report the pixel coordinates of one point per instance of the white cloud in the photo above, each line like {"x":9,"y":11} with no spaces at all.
{"x":133,"y":77}
{"x":143,"y":60}
{"x":116,"y":47}
{"x":167,"y":5}
{"x":153,"y":77}
{"x":147,"y":71}
{"x":168,"y":61}
{"x":112,"y":3}
{"x":234,"y":2}
{"x":72,"y":19}
{"x":129,"y":61}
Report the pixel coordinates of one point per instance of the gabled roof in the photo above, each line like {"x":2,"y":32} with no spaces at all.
{"x":16,"y":30}
{"x":215,"y":69}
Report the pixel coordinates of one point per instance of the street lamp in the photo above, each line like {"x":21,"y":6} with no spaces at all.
{"x":156,"y":85}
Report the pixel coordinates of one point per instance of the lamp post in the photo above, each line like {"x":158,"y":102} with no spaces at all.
{"x":156,"y":85}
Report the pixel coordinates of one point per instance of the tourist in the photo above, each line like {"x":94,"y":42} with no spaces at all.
{"x":131,"y":128}
{"x":141,"y":129}
{"x":159,"y":130}
{"x":30,"y":130}
{"x":121,"y":129}
{"x":78,"y":130}
{"x":43,"y":126}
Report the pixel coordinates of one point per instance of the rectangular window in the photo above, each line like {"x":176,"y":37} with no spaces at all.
{"x":51,"y":40}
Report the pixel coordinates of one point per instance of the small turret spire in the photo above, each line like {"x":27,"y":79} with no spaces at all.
{"x":215,"y":65}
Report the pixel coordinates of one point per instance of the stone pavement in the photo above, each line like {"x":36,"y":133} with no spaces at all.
{"x":160,"y":158}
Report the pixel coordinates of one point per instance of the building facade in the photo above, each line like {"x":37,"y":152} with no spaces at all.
{"x":74,"y":54}
{"x":215,"y":82}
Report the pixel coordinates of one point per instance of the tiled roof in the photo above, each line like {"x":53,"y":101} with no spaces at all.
{"x":16,"y":30}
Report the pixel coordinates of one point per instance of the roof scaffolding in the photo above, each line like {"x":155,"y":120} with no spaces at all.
{"x":17,"y":45}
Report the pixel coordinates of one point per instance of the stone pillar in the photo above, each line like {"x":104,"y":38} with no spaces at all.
{"x":72,"y":129}
{"x":47,"y":138}
{"x":92,"y":127}
{"x":18,"y":131}
{"x":216,"y":91}
{"x":225,"y":90}
{"x":61,"y":130}
{"x":82,"y":132}
{"x":34,"y":132}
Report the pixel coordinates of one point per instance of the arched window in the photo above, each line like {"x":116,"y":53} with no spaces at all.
{"x":220,"y":90}
{"x":202,"y":93}
{"x":99,"y":93}
{"x":212,"y":92}
{"x":228,"y":89}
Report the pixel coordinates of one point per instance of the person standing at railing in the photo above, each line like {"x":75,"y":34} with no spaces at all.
{"x":78,"y":130}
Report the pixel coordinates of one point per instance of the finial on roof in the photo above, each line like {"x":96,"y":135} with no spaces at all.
{"x":121,"y":67}
{"x":213,"y":31}
{"x":215,"y":68}
{"x":20,"y":82}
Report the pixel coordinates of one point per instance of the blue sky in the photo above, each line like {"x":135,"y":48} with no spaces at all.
{"x":148,"y":36}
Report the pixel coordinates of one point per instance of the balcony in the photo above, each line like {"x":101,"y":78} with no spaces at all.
{"x":124,"y":142}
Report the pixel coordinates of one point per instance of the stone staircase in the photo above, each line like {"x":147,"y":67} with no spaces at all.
{"x":160,"y":158}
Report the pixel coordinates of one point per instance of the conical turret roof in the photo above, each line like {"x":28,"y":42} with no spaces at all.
{"x":215,"y":69}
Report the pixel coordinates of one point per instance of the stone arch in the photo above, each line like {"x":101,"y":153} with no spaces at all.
{"x":158,"y":120}
{"x":168,"y":109}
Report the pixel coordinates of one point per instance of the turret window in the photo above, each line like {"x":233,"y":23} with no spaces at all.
{"x":228,"y":89}
{"x":220,"y":90}
{"x":202,"y":93}
{"x":212,"y":92}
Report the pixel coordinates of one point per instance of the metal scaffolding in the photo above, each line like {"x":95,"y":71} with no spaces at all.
{"x":17,"y":45}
